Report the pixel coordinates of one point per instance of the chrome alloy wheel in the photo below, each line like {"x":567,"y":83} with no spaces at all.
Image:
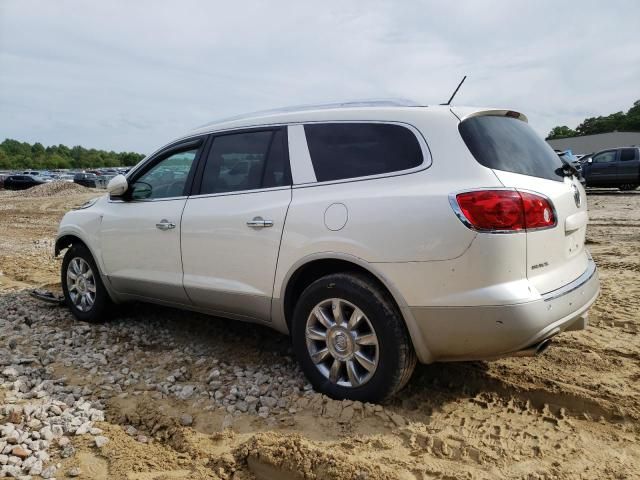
{"x":81,"y":284}
{"x":342,"y":342}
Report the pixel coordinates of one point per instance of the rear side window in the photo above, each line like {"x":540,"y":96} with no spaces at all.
{"x":349,"y":150}
{"x":627,"y":154}
{"x":246,"y":161}
{"x":510,"y":145}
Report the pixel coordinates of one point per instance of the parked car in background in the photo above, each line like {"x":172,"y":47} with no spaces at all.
{"x":584,"y":158}
{"x":376,"y":234}
{"x":572,"y":160}
{"x":22,"y":182}
{"x":85,"y":179}
{"x":62,"y":177}
{"x":3,"y":176}
{"x":613,"y":168}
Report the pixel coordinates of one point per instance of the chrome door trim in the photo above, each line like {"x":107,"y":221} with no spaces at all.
{"x":164,"y":225}
{"x":142,"y":200}
{"x":259,"y":222}
{"x":239,"y":192}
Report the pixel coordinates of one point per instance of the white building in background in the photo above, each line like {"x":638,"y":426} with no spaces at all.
{"x":594,"y":143}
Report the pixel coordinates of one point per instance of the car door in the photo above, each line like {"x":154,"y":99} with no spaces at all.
{"x":602,"y":170}
{"x":140,"y":232}
{"x":232,"y":227}
{"x":629,"y":166}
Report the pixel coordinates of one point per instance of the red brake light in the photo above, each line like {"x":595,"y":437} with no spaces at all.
{"x":504,"y":210}
{"x":538,"y":212}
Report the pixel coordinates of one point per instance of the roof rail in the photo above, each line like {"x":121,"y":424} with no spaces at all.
{"x":384,"y":102}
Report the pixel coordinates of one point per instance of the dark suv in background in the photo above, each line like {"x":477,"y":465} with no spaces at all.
{"x":22,"y":182}
{"x":614,"y":168}
{"x":85,"y":179}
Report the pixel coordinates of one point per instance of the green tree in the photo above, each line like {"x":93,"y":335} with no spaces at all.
{"x":17,"y":155}
{"x":619,"y":121}
{"x":632,"y":120}
{"x":561,"y":132}
{"x":5,"y":161}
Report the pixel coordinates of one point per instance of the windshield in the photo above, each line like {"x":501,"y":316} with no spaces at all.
{"x":511,"y":145}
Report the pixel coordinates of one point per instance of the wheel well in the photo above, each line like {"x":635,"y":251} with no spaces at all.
{"x":65,"y":242}
{"x":310,"y":272}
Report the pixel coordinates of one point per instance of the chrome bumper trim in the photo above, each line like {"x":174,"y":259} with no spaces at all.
{"x":574,"y":285}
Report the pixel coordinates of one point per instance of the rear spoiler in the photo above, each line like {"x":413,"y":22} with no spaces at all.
{"x":468,"y":112}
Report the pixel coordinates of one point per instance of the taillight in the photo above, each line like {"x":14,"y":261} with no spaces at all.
{"x":504,"y":210}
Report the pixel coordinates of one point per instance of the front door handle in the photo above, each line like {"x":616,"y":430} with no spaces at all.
{"x":165,"y":225}
{"x":259,"y":222}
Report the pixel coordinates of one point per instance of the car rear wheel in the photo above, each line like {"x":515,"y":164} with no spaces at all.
{"x":82,"y":286}
{"x":351,"y":340}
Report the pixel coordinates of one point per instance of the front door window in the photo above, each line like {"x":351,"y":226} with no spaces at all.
{"x":166,"y":179}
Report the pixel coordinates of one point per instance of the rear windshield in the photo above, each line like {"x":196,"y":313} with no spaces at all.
{"x":511,"y":145}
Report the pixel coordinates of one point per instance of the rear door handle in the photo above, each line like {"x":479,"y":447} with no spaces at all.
{"x":165,"y":225}
{"x":259,"y":222}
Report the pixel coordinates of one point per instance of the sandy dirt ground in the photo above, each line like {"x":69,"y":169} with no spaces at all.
{"x":571,"y":413}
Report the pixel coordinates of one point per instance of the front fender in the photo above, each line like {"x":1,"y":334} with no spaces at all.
{"x":84,"y":226}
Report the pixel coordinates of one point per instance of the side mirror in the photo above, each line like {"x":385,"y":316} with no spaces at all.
{"x":117,"y":186}
{"x":590,"y":160}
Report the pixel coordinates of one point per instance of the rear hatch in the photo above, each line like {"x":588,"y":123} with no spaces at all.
{"x":504,"y":142}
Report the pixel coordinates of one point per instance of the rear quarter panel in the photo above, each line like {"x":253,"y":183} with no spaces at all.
{"x":400,"y":218}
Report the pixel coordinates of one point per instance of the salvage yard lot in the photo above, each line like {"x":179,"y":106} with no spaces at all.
{"x":189,"y":396}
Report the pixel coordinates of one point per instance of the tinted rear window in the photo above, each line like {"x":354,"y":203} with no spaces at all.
{"x":349,"y":150}
{"x":510,"y":145}
{"x":627,"y":154}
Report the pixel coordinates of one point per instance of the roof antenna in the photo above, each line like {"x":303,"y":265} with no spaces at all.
{"x":455,"y":91}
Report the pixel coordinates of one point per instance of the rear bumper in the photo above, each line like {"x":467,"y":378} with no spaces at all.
{"x":492,"y":331}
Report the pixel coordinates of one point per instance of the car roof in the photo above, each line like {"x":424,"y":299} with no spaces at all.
{"x":302,"y":113}
{"x":354,"y":110}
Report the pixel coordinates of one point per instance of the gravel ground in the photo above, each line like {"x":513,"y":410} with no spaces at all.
{"x":159,"y":393}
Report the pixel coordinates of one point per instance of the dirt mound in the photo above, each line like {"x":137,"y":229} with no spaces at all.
{"x":54,"y":189}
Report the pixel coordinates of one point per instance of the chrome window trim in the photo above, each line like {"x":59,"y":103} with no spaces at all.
{"x":427,"y":159}
{"x":206,"y":133}
{"x":239,"y":192}
{"x":575,"y":284}
{"x":456,"y":209}
{"x":141,"y":200}
{"x":151,"y":156}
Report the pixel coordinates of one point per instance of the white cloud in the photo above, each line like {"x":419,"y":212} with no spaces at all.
{"x":132,"y":75}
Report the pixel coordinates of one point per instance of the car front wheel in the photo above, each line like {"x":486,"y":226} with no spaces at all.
{"x":82,"y":286}
{"x":351,"y":340}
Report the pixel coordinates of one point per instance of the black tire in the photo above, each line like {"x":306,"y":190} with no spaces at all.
{"x":396,"y":356}
{"x":627,"y":187}
{"x":98,"y":312}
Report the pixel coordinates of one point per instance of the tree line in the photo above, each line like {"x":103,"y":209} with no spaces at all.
{"x":620,"y":121}
{"x":15,"y":155}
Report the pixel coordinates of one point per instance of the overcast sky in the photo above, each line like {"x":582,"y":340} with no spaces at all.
{"x":131,"y":75}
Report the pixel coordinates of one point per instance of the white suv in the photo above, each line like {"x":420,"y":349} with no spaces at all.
{"x":375,"y":234}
